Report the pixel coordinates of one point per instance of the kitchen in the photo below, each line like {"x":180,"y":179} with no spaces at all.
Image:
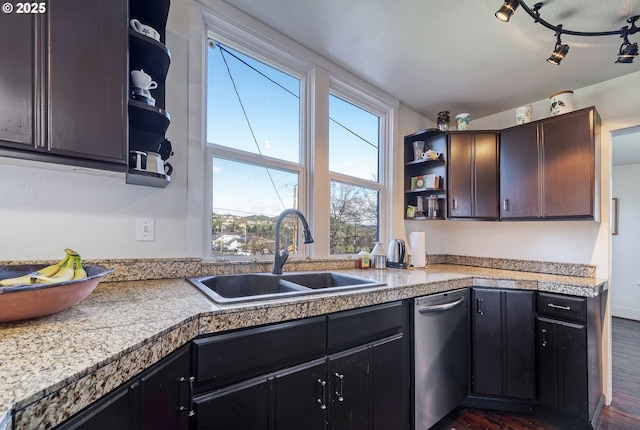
{"x":96,"y":202}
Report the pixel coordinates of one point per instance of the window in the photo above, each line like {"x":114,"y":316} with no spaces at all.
{"x":354,"y":160}
{"x":283,"y":133}
{"x":253,"y":125}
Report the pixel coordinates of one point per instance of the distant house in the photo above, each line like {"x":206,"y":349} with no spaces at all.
{"x":228,"y":243}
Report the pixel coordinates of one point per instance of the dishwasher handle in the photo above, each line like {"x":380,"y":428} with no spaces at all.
{"x":441,"y":307}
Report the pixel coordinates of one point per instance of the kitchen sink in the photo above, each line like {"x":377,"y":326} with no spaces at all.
{"x":251,"y":287}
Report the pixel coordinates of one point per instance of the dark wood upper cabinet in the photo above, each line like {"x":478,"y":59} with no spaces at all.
{"x":17,"y":80}
{"x":64,"y":84}
{"x":473,"y":175}
{"x":548,"y":168}
{"x":87,"y":79}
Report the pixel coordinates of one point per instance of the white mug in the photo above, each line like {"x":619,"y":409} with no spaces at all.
{"x":144,"y":29}
{"x":524,"y":114}
{"x":141,"y":80}
{"x":154,"y":163}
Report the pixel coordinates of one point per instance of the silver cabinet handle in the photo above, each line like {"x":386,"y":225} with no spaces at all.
{"x":340,"y":390}
{"x":479,"y":309}
{"x":564,"y":308}
{"x":188,"y":409}
{"x":455,"y":204}
{"x":505,"y":205}
{"x":544,"y":337}
{"x":323,"y":394}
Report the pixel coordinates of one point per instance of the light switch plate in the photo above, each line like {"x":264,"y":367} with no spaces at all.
{"x":145,"y":230}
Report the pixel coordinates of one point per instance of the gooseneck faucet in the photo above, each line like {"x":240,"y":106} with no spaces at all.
{"x":280,"y":256}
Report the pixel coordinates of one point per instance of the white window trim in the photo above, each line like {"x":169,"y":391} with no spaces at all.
{"x":321,"y":77}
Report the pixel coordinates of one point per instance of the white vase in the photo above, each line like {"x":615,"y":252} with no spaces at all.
{"x":561,"y":102}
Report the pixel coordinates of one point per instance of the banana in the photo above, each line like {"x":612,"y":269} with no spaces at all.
{"x":64,"y":274}
{"x":31,"y":277}
{"x":79,"y":272}
{"x":53,"y":269}
{"x":20,"y":280}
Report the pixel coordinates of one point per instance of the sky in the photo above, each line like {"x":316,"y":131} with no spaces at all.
{"x":241,"y":100}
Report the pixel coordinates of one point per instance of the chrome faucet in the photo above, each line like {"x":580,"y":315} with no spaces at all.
{"x":280,"y":256}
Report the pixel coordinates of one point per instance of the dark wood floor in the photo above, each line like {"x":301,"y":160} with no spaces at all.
{"x":622,"y":414}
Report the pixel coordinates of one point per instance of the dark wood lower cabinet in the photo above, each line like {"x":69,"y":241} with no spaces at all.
{"x":150,"y":401}
{"x":301,"y":396}
{"x":361,"y":382}
{"x":162,"y":394}
{"x":114,"y":411}
{"x":562,"y":366}
{"x":244,"y":406}
{"x":503,"y":343}
{"x":568,"y":337}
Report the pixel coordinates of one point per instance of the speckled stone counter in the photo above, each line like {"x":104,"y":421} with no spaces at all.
{"x":52,"y":367}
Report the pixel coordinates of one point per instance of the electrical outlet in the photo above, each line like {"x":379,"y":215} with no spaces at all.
{"x":145,"y":230}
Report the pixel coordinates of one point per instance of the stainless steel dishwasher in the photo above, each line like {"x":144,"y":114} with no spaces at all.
{"x":441,"y":355}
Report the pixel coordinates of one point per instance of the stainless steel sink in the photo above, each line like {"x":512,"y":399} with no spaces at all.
{"x":251,"y":287}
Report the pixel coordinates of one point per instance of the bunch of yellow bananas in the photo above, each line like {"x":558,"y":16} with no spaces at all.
{"x":67,"y":269}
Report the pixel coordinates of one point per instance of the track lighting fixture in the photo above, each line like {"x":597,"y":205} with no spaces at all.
{"x":560,"y":51}
{"x":627,"y":50}
{"x":507,"y":9}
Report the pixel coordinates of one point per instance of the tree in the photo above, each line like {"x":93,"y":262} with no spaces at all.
{"x":353,"y":218}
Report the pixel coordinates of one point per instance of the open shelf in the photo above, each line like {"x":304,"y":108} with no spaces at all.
{"x":147,"y":179}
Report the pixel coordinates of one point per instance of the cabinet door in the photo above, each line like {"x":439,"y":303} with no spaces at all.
{"x":575,"y":372}
{"x":487,"y":338}
{"x":519,"y":329}
{"x":87,"y":59}
{"x":548,"y":362}
{"x":163,"y":391}
{"x":485,"y":188}
{"x":390,"y":386}
{"x":519,"y":173}
{"x":504,"y":343}
{"x":302,"y":396}
{"x":460,"y":174}
{"x":114,"y":411}
{"x":569,"y":151}
{"x":17,"y":80}
{"x":563,"y":375}
{"x":244,"y":406}
{"x":350,"y":389}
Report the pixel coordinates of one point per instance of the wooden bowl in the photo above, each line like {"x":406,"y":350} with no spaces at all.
{"x":36,"y":300}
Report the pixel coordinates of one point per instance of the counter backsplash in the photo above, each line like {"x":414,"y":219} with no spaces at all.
{"x":178,"y":268}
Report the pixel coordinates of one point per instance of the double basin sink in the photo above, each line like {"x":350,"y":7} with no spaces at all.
{"x":250,"y":287}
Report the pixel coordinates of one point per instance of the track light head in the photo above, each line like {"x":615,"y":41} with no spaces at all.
{"x":627,"y":53}
{"x":507,"y":9}
{"x":559,"y":53}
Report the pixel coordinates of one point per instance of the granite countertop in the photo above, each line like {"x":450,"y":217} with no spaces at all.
{"x":52,"y":367}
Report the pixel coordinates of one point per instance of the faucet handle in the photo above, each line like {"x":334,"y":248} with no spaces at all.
{"x":284,"y":254}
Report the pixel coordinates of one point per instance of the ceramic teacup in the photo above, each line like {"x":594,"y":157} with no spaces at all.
{"x":144,"y":29}
{"x":141,"y":80}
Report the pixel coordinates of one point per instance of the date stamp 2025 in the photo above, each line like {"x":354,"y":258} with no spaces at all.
{"x":35,"y":7}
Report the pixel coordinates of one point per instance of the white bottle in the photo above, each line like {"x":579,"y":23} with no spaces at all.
{"x":378,"y":256}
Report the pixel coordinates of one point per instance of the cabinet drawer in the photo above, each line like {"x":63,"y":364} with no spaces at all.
{"x":240,"y":355}
{"x":563,"y":307}
{"x":359,"y":326}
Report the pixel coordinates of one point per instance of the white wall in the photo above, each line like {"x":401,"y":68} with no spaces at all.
{"x":625,"y":270}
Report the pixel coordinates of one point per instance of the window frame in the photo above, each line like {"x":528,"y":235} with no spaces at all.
{"x":319,"y":78}
{"x":351,"y":95}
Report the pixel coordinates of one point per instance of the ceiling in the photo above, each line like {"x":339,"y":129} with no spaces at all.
{"x":437,"y":55}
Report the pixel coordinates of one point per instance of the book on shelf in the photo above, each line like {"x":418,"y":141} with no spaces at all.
{"x":425,"y":182}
